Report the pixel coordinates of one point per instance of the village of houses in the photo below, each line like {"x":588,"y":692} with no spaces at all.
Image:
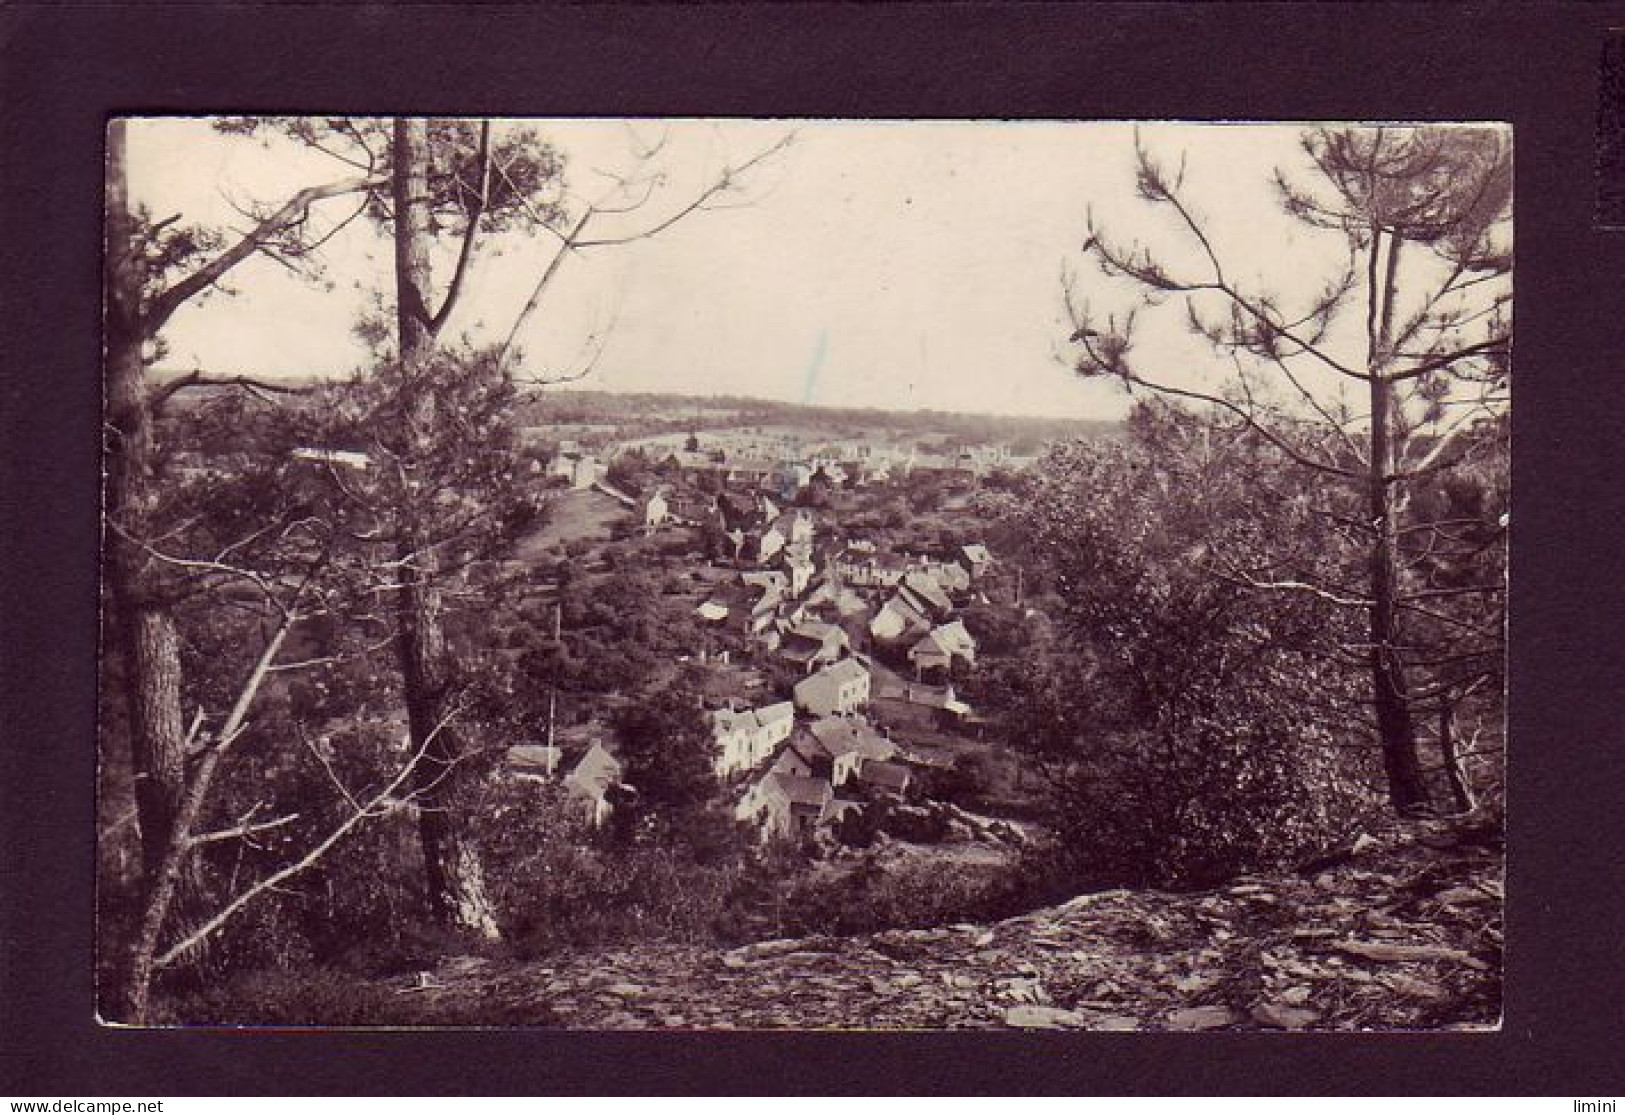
{"x":872,"y":634}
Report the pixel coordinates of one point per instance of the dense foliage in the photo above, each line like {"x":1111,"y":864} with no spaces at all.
{"x":1190,"y":725}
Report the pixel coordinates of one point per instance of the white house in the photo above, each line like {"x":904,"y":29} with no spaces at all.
{"x":590,"y":782}
{"x":746,"y":737}
{"x":813,"y":643}
{"x":901,"y":618}
{"x":836,"y":690}
{"x":788,"y":805}
{"x":938,"y":649}
{"x":655,"y":509}
{"x":927,"y":590}
{"x":851,"y":743}
{"x":976,"y":558}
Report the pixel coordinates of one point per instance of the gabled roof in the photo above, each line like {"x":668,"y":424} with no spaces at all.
{"x":887,"y":776}
{"x":769,"y":714}
{"x":597,"y":771}
{"x":908,"y":607}
{"x":771,"y":598}
{"x":798,"y":790}
{"x":534,"y":755}
{"x":955,"y":635}
{"x":949,"y":639}
{"x":808,"y":748}
{"x":927,"y":588}
{"x":816,"y":630}
{"x":976,"y":553}
{"x":847,"y":669}
{"x":937,"y":698}
{"x":841,"y":736}
{"x":822,"y":592}
{"x":849,"y":603}
{"x":727,"y":721}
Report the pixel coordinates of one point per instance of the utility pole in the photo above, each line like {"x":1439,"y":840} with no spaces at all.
{"x":552,"y":747}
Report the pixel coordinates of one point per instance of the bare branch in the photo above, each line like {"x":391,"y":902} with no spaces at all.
{"x":293,"y":211}
{"x":198,"y":378}
{"x":505,"y":353}
{"x":465,"y":253}
{"x":378,"y":805}
{"x":239,"y":831}
{"x":723,"y":183}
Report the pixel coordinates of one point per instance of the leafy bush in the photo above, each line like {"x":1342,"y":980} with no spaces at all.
{"x":877,"y":895}
{"x":1190,"y":727}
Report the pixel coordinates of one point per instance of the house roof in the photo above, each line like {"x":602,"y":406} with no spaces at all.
{"x":928,"y":589}
{"x":887,"y":776}
{"x":783,"y":710}
{"x":830,"y":678}
{"x":949,"y":639}
{"x":906,"y":609}
{"x":771,"y":598}
{"x":799,"y":790}
{"x":534,"y":755}
{"x":801,"y":650}
{"x":727,"y":721}
{"x":816,"y":630}
{"x":808,"y":748}
{"x":847,"y":669}
{"x":937,"y":698}
{"x":849,"y":603}
{"x":597,"y":771}
{"x":952,"y":577}
{"x":977,"y":553}
{"x":840,"y":736}
{"x":712,"y":610}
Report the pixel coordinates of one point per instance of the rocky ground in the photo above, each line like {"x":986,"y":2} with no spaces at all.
{"x":1402,"y":931}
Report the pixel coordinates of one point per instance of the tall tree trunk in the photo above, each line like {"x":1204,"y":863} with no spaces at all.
{"x":1396,"y":728}
{"x":453,"y":872}
{"x":140,"y":628}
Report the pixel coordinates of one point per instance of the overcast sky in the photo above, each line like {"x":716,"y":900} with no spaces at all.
{"x":899,"y":265}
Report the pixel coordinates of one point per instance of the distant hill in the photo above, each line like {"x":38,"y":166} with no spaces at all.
{"x":641,"y":414}
{"x":650,"y":413}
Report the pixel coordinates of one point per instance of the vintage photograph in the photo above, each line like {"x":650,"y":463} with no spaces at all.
{"x":703,"y":574}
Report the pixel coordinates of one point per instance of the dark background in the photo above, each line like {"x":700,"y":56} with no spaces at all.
{"x":63,"y":70}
